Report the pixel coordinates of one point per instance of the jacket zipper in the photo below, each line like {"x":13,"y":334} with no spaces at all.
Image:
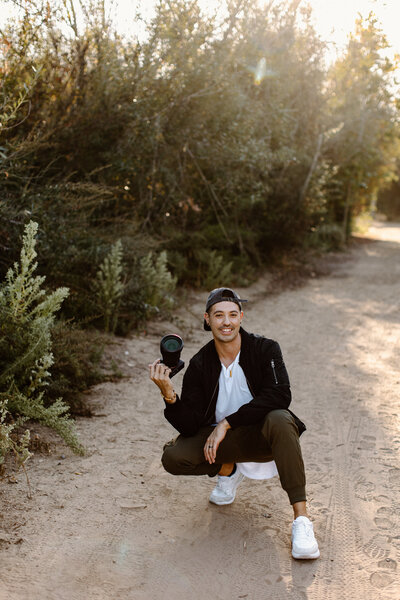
{"x":213,"y":394}
{"x":273,"y":370}
{"x":249,"y":386}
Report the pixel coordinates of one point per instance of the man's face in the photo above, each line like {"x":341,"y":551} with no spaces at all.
{"x":224,"y":319}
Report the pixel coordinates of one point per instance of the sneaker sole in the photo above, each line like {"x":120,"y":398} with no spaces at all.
{"x":221,"y":502}
{"x":315,"y":554}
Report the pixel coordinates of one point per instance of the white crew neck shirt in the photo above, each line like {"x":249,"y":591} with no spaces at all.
{"x":233,"y":393}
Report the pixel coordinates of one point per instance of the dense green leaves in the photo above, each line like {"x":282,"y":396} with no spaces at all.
{"x":222,"y":140}
{"x":363,"y":143}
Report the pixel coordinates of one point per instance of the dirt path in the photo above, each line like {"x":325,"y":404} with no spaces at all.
{"x":113,"y":526}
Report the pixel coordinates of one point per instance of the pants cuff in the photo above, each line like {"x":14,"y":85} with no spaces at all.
{"x":297,"y":494}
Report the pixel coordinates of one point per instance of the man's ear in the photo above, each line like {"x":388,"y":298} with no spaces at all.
{"x":207,"y":318}
{"x":241,"y":316}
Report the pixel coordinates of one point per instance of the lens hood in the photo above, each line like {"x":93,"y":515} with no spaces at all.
{"x":171,"y":347}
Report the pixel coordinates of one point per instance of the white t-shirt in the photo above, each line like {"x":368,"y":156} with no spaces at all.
{"x":233,"y":393}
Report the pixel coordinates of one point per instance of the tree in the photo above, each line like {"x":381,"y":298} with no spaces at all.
{"x":364,"y":137}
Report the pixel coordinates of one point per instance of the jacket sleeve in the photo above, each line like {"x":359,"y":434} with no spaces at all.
{"x":186,"y":413}
{"x":273,"y":394}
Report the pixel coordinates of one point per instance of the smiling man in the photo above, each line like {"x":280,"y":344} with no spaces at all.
{"x":233,"y":415}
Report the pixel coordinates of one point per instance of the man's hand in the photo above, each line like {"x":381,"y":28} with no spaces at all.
{"x":159,"y":373}
{"x":214,"y":440}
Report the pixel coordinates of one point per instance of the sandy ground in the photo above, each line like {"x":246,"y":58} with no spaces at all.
{"x":114,"y":526}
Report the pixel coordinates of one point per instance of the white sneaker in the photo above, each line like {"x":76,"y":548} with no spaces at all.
{"x":304,"y":544}
{"x":225,"y":490}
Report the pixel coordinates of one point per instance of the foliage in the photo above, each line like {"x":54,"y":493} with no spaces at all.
{"x":109,"y":286}
{"x":77,"y":364}
{"x":389,"y":200}
{"x":213,"y":269}
{"x":8,"y":443}
{"x":156,"y":283}
{"x":364,"y":139}
{"x":27,"y":315}
{"x":327,"y":237}
{"x":221,"y":139}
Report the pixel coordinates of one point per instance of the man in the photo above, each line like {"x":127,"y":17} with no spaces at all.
{"x":233,"y":415}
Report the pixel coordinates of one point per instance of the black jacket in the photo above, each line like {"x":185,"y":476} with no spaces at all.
{"x":266,"y":375}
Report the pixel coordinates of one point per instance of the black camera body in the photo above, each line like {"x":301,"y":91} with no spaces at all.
{"x":171,"y":347}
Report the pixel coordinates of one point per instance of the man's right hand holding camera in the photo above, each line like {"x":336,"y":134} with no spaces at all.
{"x":159,"y":373}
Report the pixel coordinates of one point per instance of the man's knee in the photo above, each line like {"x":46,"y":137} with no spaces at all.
{"x":279,"y":421}
{"x":170,"y":459}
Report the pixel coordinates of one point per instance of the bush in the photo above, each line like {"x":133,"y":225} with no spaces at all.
{"x":221,"y":138}
{"x":27,"y":314}
{"x":326,"y":237}
{"x":76,"y":367}
{"x":109,"y":286}
{"x":213,"y":269}
{"x":8,"y":442}
{"x":389,"y":201}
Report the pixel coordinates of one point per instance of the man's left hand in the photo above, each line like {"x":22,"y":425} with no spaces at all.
{"x":214,"y":440}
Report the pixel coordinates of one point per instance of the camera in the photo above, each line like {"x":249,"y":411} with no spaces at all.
{"x":171,"y":347}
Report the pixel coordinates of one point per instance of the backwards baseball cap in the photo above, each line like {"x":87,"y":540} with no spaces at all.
{"x":221,"y":295}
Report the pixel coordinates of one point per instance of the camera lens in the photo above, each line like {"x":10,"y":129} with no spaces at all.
{"x":172,"y":344}
{"x":171,"y":347}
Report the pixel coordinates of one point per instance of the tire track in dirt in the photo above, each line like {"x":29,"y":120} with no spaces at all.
{"x":340,"y":540}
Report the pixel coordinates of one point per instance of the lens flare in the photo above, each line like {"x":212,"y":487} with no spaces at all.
{"x":261,"y":71}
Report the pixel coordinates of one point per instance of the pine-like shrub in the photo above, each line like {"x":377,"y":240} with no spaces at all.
{"x":213,"y":269}
{"x":8,"y":442}
{"x":109,"y":286}
{"x":157,"y":283}
{"x":27,"y":314}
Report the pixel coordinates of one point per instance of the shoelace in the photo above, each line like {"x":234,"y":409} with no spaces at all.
{"x":224,"y":484}
{"x":303,"y":530}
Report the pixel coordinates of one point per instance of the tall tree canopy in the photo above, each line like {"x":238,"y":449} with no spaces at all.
{"x":222,"y":140}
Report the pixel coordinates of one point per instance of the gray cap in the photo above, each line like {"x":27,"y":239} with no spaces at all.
{"x":221,"y":295}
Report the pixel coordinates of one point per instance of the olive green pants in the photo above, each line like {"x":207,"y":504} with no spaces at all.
{"x":275,"y":438}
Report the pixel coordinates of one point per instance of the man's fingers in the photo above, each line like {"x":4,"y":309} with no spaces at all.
{"x":207,"y":452}
{"x":210,"y":450}
{"x":214,"y":451}
{"x":152,"y":367}
{"x":159,"y":371}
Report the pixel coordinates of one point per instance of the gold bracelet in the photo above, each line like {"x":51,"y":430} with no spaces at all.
{"x":169,"y":400}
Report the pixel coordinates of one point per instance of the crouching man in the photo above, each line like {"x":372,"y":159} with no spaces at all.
{"x":233,"y":415}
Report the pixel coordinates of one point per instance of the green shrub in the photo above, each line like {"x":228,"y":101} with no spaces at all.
{"x":213,"y":134}
{"x":27,"y":314}
{"x":8,"y":442}
{"x":213,"y":269}
{"x":77,"y":355}
{"x":157,"y":283}
{"x":109,"y":286}
{"x":327,"y":236}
